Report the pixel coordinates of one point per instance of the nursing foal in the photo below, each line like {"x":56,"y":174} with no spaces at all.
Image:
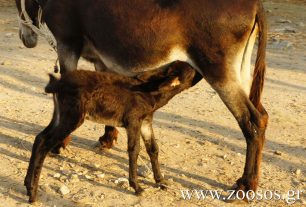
{"x":114,"y":100}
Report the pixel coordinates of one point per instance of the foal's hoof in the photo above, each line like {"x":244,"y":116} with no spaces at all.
{"x":139,"y":191}
{"x":163,"y":184}
{"x":32,"y":199}
{"x":56,"y":151}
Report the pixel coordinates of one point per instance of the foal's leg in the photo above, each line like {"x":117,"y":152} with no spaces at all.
{"x":253,"y":124}
{"x":152,"y":149}
{"x":43,"y":143}
{"x":133,"y":132}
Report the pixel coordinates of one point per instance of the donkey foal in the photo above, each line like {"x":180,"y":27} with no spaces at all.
{"x":113,"y":100}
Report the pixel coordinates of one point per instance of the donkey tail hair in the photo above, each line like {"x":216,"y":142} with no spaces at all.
{"x":260,"y":64}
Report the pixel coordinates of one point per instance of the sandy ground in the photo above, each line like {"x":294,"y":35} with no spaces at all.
{"x":201,"y":146}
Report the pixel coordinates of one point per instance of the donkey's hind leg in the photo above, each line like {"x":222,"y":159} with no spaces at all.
{"x":252,"y":122}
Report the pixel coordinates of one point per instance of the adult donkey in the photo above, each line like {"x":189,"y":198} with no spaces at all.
{"x":29,"y":14}
{"x":215,"y":36}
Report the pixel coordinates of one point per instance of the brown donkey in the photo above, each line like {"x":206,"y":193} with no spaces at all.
{"x":132,"y":36}
{"x":111,"y":99}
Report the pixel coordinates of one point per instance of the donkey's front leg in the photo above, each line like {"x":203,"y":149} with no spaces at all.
{"x":69,"y":52}
{"x":133,"y":132}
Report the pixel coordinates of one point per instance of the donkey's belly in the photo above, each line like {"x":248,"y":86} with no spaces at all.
{"x":174,"y":54}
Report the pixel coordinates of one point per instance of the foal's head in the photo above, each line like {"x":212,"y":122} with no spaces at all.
{"x":28,"y":8}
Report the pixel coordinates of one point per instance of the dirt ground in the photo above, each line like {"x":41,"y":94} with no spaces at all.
{"x":201,"y":146}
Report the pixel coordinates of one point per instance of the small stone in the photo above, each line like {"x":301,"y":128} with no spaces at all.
{"x":97,"y":165}
{"x":289,"y":30}
{"x":284,"y":21}
{"x":278,"y":153}
{"x":57,"y":175}
{"x":269,"y":11}
{"x":6,"y":62}
{"x":238,"y":154}
{"x":101,"y":176}
{"x":64,"y":190}
{"x":143,"y":171}
{"x":65,"y":172}
{"x":72,"y":165}
{"x":89,"y":177}
{"x":176,"y":146}
{"x":74,"y":178}
{"x":101,"y":196}
{"x":45,"y":188}
{"x":8,"y":35}
{"x":183,"y":176}
{"x":298,"y":172}
{"x":224,"y":157}
{"x":122,"y":182}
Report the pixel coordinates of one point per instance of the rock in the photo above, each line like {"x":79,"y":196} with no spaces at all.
{"x":278,"y":153}
{"x":65,"y":172}
{"x":298,"y":172}
{"x":170,"y":180}
{"x":64,"y":190}
{"x":224,"y":157}
{"x":268,"y":11}
{"x":89,"y":177}
{"x":6,"y":62}
{"x":72,"y":165}
{"x":279,"y":44}
{"x":101,"y":196}
{"x":289,"y":30}
{"x":74,"y":178}
{"x":284,"y":21}
{"x":122,"y":182}
{"x":57,"y":175}
{"x":143,"y":171}
{"x":9,"y":35}
{"x":101,"y":175}
{"x":97,"y":165}
{"x":45,"y":188}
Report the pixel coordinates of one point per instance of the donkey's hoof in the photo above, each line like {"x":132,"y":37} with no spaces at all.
{"x":241,"y":188}
{"x":108,"y":139}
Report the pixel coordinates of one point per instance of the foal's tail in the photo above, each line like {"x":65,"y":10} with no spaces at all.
{"x":53,"y":85}
{"x":260,"y":65}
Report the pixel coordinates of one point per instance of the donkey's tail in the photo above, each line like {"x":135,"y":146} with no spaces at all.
{"x":260,"y":64}
{"x":53,"y":85}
